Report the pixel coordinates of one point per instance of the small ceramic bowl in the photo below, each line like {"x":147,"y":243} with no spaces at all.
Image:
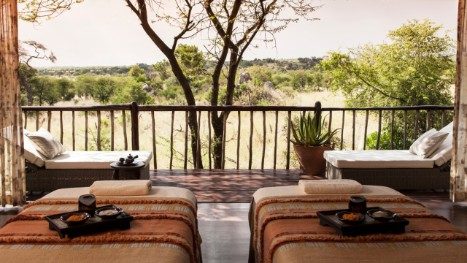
{"x":108,"y":212}
{"x":381,"y":214}
{"x":350,"y":217}
{"x":75,"y":218}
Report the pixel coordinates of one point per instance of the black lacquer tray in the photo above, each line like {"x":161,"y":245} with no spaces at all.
{"x":93,"y":225}
{"x":367,"y":226}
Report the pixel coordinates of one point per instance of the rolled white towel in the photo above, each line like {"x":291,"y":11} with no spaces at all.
{"x":337,"y":186}
{"x":121,"y":187}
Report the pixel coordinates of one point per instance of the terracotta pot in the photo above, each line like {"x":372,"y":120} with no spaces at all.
{"x":311,"y":158}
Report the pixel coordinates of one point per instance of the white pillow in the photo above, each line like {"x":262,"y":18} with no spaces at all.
{"x":444,"y":153}
{"x":46,"y":144}
{"x":416,"y":144}
{"x":30,"y":152}
{"x":428,"y":143}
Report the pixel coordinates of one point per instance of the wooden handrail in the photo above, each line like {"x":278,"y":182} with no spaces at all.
{"x":258,"y":116}
{"x":225,"y":108}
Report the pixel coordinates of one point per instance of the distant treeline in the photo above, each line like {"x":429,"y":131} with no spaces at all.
{"x":285,"y":64}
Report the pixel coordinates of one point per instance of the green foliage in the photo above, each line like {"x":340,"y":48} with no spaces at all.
{"x":66,"y":88}
{"x":113,"y":89}
{"x":311,"y":130}
{"x":260,"y":74}
{"x":45,"y":90}
{"x":281,"y":79}
{"x":158,"y":81}
{"x":172,"y":92}
{"x":138,"y":73}
{"x":193,"y":64}
{"x":385,"y":139}
{"x":129,"y":90}
{"x":103,"y":89}
{"x":162,"y":70}
{"x":37,"y":89}
{"x":299,"y":79}
{"x":85,"y":85}
{"x":415,"y":68}
{"x":192,"y":60}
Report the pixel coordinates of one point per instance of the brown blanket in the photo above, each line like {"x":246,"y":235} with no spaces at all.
{"x":286,"y":221}
{"x":171,"y":222}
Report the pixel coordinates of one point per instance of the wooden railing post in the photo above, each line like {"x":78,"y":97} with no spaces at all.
{"x":134,"y":126}
{"x":318,"y":112}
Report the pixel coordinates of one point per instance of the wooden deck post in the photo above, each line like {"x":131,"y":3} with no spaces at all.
{"x":134,"y":126}
{"x":12,"y":172}
{"x":458,"y":174}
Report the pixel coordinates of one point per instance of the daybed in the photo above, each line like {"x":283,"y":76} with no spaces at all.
{"x":398,"y":169}
{"x":164,"y":229}
{"x":77,"y":169}
{"x":285,"y":228}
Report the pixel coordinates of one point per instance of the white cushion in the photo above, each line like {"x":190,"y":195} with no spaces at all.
{"x":377,"y":159}
{"x":46,"y":144}
{"x":92,"y":159}
{"x":31,"y":154}
{"x":428,"y":143}
{"x":444,"y":153}
{"x":414,"y":148}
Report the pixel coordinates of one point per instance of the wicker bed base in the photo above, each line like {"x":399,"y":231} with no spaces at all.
{"x":396,"y":178}
{"x":44,"y":180}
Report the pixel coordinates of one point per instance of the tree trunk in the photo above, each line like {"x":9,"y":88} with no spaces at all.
{"x":27,"y":87}
{"x":218,"y":127}
{"x":178,"y":72}
{"x":195,"y":147}
{"x":192,"y":116}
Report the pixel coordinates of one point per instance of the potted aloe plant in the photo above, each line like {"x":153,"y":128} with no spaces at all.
{"x":310,"y":139}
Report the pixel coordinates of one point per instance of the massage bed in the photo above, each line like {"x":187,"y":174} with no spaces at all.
{"x":164,"y":229}
{"x":285,"y":228}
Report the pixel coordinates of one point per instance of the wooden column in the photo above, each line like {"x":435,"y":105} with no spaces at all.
{"x":12,"y":183}
{"x":458,"y":173}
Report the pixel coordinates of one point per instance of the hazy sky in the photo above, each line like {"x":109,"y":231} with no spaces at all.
{"x":106,"y":32}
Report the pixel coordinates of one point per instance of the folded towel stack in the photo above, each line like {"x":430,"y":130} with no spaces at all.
{"x":122,"y":187}
{"x":338,"y":186}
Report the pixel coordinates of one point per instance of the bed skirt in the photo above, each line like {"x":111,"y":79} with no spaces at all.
{"x":396,"y":178}
{"x":47,"y":180}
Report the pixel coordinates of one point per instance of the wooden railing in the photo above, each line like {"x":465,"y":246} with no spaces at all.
{"x":263,"y":142}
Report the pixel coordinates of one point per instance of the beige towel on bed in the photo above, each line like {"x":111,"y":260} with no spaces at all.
{"x":121,"y":187}
{"x":337,"y":186}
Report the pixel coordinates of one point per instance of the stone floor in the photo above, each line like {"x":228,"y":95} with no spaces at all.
{"x":225,"y":186}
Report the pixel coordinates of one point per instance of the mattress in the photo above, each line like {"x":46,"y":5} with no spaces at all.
{"x":379,"y":159}
{"x":164,"y":229}
{"x":285,"y":229}
{"x":92,"y":159}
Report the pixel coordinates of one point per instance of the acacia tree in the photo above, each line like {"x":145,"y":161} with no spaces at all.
{"x":231,"y":27}
{"x":28,"y":51}
{"x":417,"y":67}
{"x":35,"y":10}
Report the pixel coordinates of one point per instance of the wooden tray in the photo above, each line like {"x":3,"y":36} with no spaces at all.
{"x":367,"y":226}
{"x":92,"y":225}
